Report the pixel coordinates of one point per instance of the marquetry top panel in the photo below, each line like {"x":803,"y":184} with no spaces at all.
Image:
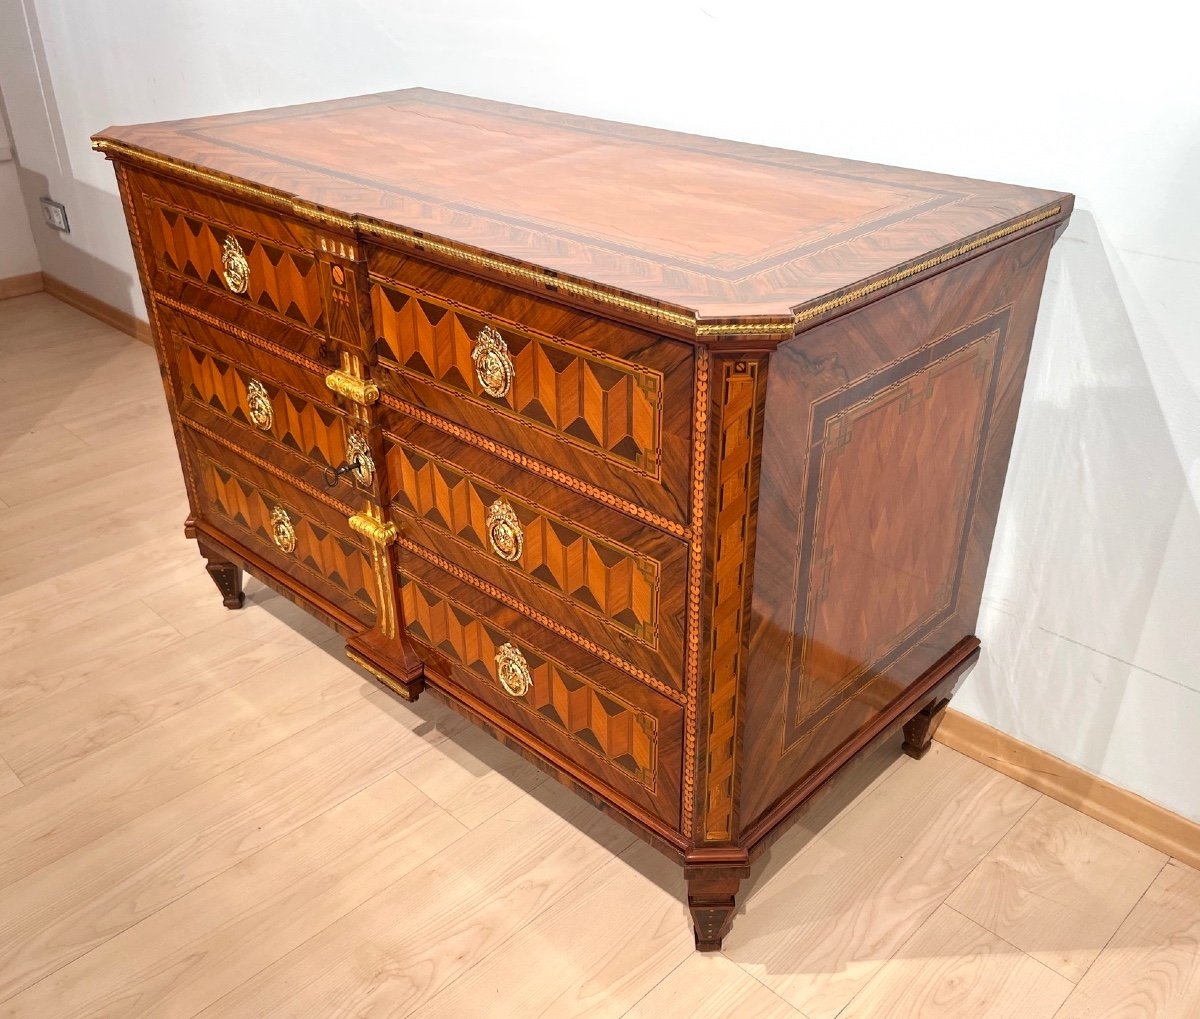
{"x":714,"y":229}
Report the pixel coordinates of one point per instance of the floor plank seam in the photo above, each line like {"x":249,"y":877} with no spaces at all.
{"x":217,"y":692}
{"x":1015,"y":948}
{"x":168,"y":902}
{"x":515,"y":933}
{"x":1116,"y":930}
{"x":774,"y":993}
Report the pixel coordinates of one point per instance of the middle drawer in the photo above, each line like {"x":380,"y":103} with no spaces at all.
{"x":260,"y":398}
{"x":557,"y":556}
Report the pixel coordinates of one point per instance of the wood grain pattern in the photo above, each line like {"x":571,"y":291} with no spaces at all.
{"x":1058,"y":886}
{"x":609,"y":404}
{"x":1151,"y":967}
{"x":585,"y":357}
{"x":717,"y":228}
{"x":603,"y":404}
{"x":594,"y":718}
{"x":390,"y":953}
{"x":908,"y":411}
{"x":711,"y":987}
{"x":953,"y":968}
{"x":327,"y":555}
{"x":19,"y":286}
{"x":1117,"y":808}
{"x":597,"y":574}
{"x":611,"y":970}
{"x":9,"y":781}
{"x":346,"y":908}
{"x":817,"y":941}
{"x":207,"y":942}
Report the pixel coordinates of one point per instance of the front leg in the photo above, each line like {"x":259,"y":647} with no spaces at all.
{"x":713,"y":877}
{"x":226,"y":575}
{"x":920,"y":729}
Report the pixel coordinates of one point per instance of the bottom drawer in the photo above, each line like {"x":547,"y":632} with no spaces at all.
{"x":619,"y":737}
{"x":303,"y":535}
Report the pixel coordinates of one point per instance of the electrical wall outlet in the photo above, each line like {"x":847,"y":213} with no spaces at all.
{"x":55,"y":215}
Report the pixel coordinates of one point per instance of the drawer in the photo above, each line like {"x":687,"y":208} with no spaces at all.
{"x":612,"y":733}
{"x":298,"y":530}
{"x":263,"y":402}
{"x":607,"y":404}
{"x":610,"y":580}
{"x":250,"y":267}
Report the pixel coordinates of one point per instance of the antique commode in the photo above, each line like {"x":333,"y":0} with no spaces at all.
{"x":672,"y":462}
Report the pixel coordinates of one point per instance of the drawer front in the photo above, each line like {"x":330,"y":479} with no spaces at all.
{"x":295,"y":529}
{"x":618,"y":736}
{"x":262,"y":401}
{"x":247,"y":266}
{"x":608,"y":404}
{"x":608,"y":579}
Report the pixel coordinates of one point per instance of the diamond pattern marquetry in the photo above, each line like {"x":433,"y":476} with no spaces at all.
{"x":321,"y":554}
{"x":600,"y":576}
{"x":597,"y":402}
{"x":310,"y":430}
{"x":282,"y":282}
{"x":591,"y":717}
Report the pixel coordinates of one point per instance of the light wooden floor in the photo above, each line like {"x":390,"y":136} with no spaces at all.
{"x":206,"y":812}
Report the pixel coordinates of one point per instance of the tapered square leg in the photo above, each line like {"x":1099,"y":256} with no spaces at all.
{"x":713,"y":904}
{"x":226,"y":575}
{"x":920,"y":729}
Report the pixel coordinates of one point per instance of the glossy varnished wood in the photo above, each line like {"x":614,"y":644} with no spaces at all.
{"x":744,"y":425}
{"x":717,"y":228}
{"x":210,"y":812}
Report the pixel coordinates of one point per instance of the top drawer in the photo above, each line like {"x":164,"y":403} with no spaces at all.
{"x":608,"y":404}
{"x":248,"y":267}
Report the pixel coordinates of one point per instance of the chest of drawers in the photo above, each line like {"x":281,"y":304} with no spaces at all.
{"x":672,"y":462}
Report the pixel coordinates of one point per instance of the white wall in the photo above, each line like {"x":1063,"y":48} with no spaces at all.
{"x":18,"y":256}
{"x":1092,"y":598}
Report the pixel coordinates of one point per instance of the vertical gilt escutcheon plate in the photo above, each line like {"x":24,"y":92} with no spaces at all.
{"x":236,"y":270}
{"x":358,"y":452}
{"x":493,"y":364}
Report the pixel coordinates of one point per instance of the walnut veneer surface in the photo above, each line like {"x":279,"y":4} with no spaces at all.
{"x":672,"y":462}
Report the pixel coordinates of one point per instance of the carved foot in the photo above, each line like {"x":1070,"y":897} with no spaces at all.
{"x":920,"y":729}
{"x":228,"y":579}
{"x":713,"y":901}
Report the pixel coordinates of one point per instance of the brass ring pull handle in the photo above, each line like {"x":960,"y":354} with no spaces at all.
{"x":282,"y":532}
{"x":513,"y":671}
{"x":258,"y":405}
{"x":504,"y":531}
{"x":493,"y":364}
{"x":235,"y":268}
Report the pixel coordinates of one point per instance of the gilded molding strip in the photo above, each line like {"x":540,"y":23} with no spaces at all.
{"x":396,"y":687}
{"x":533,"y":466}
{"x":544,"y":277}
{"x":812,"y":311}
{"x":782,"y":328}
{"x":252,"y":338}
{"x":540,"y":617}
{"x":372,"y":529}
{"x":362,"y":391}
{"x":695,"y":586}
{"x":293,"y":205}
